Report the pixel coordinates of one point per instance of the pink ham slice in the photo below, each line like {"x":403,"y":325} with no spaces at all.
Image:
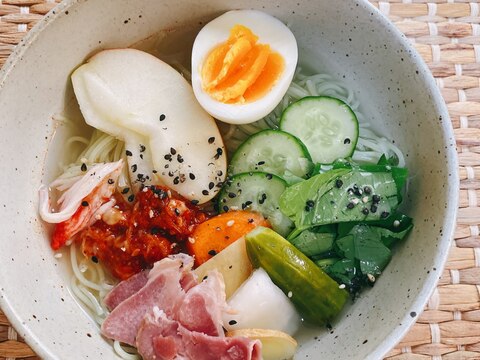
{"x":161,"y":338}
{"x":131,"y":286}
{"x":125,"y":289}
{"x":202,"y":306}
{"x":163,"y":289}
{"x":173,"y":317}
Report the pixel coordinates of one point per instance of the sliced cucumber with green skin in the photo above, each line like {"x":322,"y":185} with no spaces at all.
{"x":256,"y":191}
{"x":275,"y":152}
{"x":327,"y":126}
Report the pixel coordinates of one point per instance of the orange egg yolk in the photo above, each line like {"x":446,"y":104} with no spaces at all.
{"x":240,"y":70}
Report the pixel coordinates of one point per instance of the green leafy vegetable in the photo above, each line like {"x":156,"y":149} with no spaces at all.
{"x":315,"y":241}
{"x":340,"y":195}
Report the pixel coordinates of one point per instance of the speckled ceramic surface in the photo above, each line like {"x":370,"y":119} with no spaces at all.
{"x":350,"y":40}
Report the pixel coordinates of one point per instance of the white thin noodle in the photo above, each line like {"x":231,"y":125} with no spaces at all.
{"x":90,"y":283}
{"x":99,"y":148}
{"x":370,"y":146}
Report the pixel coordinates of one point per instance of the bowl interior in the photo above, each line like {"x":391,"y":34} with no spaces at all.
{"x":350,"y":41}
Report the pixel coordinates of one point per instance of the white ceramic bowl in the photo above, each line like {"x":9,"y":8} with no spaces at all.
{"x":349,"y":39}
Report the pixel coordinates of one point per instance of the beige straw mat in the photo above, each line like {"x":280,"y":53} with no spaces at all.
{"x":447,"y":34}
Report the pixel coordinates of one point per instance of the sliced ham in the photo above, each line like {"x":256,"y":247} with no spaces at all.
{"x":163,"y":289}
{"x":172,"y":317}
{"x":199,"y":346}
{"x":125,"y":289}
{"x":162,"y":338}
{"x":158,"y":337}
{"x":202,"y":307}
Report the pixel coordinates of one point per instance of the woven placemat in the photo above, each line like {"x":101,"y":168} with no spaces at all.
{"x":447,"y":34}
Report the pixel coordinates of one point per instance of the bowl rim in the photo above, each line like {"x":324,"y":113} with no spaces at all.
{"x":452,"y":186}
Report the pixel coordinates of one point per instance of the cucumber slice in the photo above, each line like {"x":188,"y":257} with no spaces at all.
{"x":327,"y":126}
{"x":275,"y":152}
{"x":256,"y":191}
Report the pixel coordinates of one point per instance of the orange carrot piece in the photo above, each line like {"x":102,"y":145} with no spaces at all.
{"x":215,"y":234}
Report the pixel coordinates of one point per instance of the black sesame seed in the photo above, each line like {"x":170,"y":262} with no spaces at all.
{"x":384,"y":214}
{"x":338,"y":183}
{"x":154,"y":171}
{"x":219,"y":173}
{"x":376,"y":199}
{"x":191,"y":176}
{"x":205,"y":192}
{"x":168,"y":157}
{"x":162,"y":117}
{"x":84,"y":203}
{"x":232,"y":322}
{"x":262,"y":199}
{"x":250,"y":221}
{"x":373,"y":208}
{"x":346,"y":141}
{"x":225,"y":208}
{"x":179,"y":158}
{"x":176,"y":180}
{"x":177,"y":212}
{"x":134,"y":167}
{"x":211,"y":185}
{"x":356,"y":190}
{"x":110,"y":181}
{"x":95,"y":259}
{"x":131,"y":198}
{"x":248,"y":203}
{"x":83,"y":167}
{"x":231,"y":195}
{"x":142,"y":148}
{"x":211,"y":140}
{"x":162,"y":194}
{"x":307,"y":208}
{"x":310,"y":203}
{"x":173,"y":151}
{"x":128,"y":153}
{"x":125,"y":190}
{"x":367,"y":190}
{"x":212,"y":252}
{"x":261,"y":163}
{"x":194,"y":202}
{"x":269,"y":176}
{"x":350,"y":205}
{"x":365,"y":211}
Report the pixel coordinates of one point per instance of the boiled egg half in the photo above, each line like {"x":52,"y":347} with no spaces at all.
{"x":242,"y":65}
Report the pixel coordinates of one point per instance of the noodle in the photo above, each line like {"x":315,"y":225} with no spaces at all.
{"x":370,"y":146}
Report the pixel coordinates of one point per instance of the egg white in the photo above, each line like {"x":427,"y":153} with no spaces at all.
{"x":270,"y":31}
